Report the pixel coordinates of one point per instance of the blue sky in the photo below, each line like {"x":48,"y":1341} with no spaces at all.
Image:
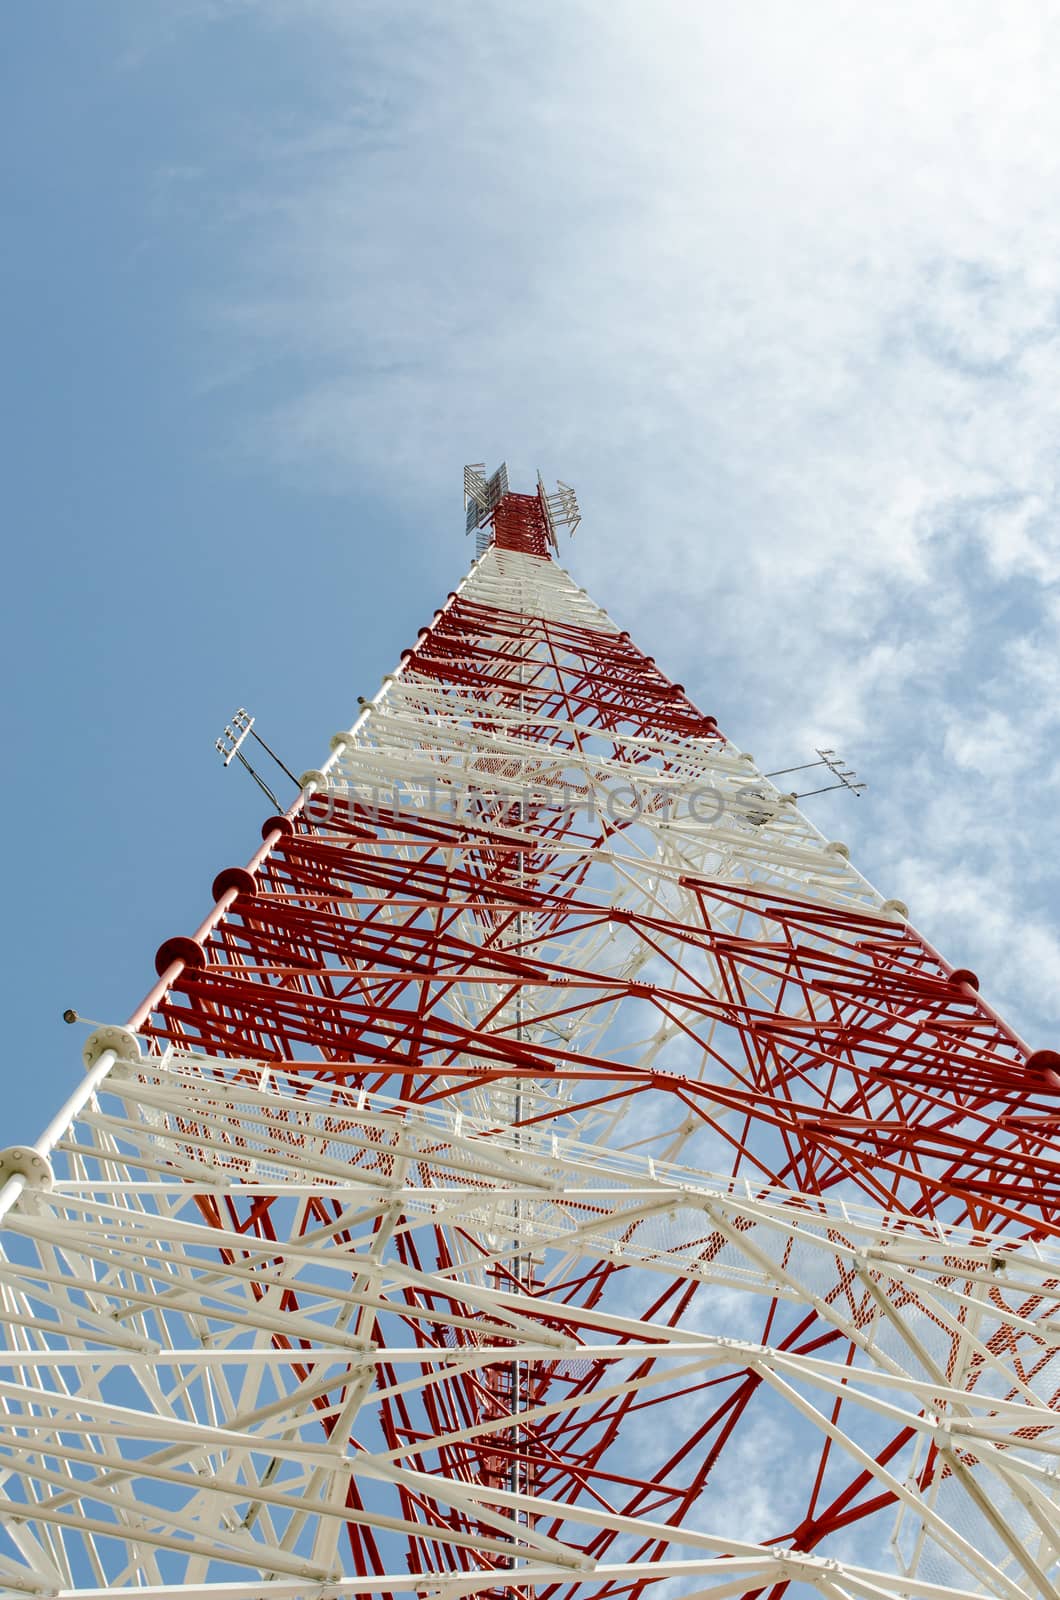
{"x":778,"y":294}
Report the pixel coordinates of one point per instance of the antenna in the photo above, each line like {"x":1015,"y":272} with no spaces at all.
{"x":835,"y":765}
{"x":482,"y":496}
{"x":560,"y":508}
{"x":532,"y":520}
{"x":230,"y":746}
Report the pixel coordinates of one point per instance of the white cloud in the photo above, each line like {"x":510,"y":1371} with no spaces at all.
{"x":984,"y":742}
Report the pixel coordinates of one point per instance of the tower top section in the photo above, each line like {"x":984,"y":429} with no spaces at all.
{"x":526,"y":522}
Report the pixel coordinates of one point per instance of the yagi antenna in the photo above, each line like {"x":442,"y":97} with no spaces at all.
{"x":230,"y":747}
{"x":835,"y":765}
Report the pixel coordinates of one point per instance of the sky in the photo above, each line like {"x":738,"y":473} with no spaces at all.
{"x":775,"y":288}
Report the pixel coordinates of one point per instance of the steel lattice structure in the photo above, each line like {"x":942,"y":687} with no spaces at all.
{"x":550,"y":1169}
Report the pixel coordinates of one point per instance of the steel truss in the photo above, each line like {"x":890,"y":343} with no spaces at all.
{"x":550,"y":1169}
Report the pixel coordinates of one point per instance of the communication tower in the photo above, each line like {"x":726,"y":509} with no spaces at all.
{"x":549,"y":1169}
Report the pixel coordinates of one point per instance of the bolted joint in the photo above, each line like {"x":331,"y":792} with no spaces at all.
{"x":895,"y":908}
{"x":282,"y":825}
{"x":1045,"y":1064}
{"x":126,"y":1045}
{"x":179,"y":948}
{"x":964,"y":976}
{"x":22,"y":1161}
{"x":237,"y":878}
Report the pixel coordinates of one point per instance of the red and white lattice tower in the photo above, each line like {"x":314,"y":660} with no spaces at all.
{"x":550,"y":1169}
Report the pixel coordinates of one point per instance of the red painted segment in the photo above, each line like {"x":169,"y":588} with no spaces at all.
{"x":519,"y":523}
